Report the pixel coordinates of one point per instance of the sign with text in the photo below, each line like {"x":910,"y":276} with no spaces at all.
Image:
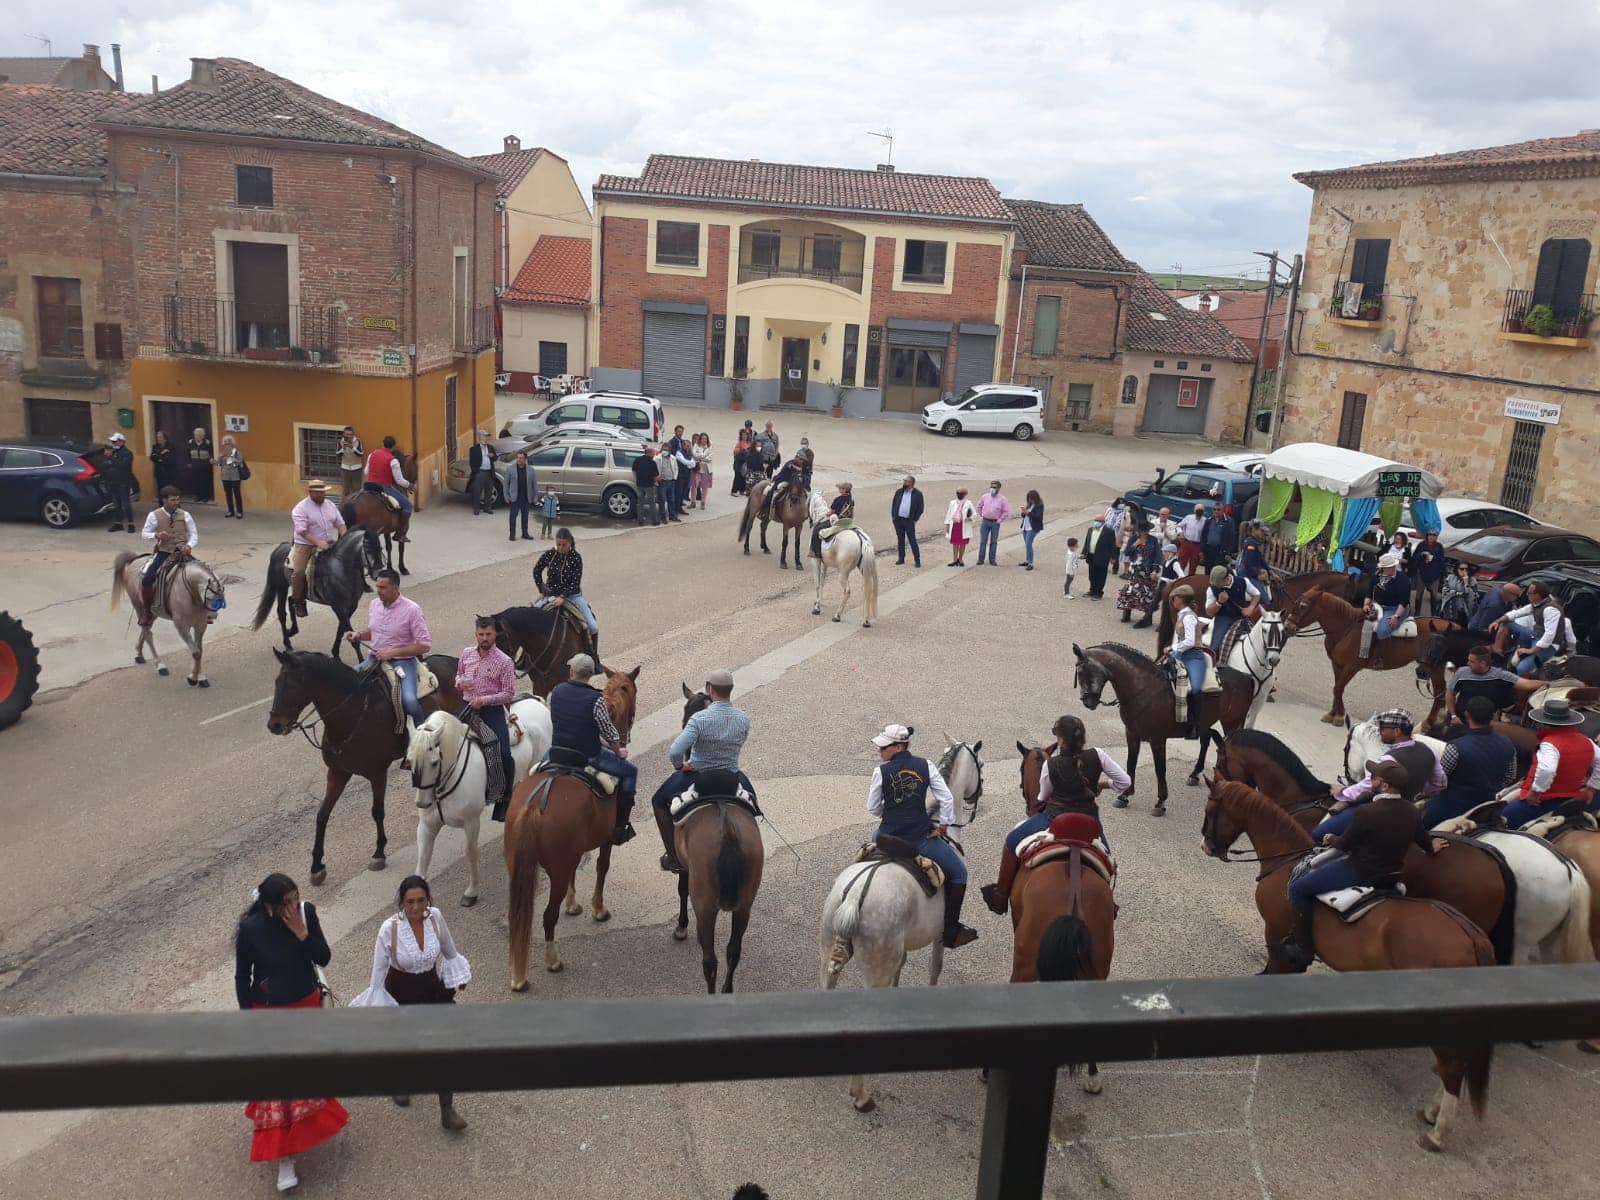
{"x":381,"y":323}
{"x":1399,"y":483}
{"x":393,"y":358}
{"x":1541,"y":411}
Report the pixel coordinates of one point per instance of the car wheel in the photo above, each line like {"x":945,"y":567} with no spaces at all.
{"x":499,"y":493}
{"x":19,"y":669}
{"x":56,"y":511}
{"x":1023,"y":432}
{"x":951,"y":429}
{"x":619,"y":503}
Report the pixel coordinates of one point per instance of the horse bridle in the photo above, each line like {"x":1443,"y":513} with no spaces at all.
{"x":441,"y":792}
{"x":307,"y":729}
{"x":1277,"y":633}
{"x":1100,"y":700}
{"x":954,"y":753}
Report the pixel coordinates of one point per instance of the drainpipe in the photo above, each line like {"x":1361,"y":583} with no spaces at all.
{"x":505,"y":243}
{"x":1016,"y":333}
{"x":411,"y":282}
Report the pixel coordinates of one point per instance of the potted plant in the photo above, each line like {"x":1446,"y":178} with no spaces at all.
{"x":840,"y":391}
{"x":1577,"y":326}
{"x":1371,"y":308}
{"x":1541,"y":321}
{"x":736,"y":393}
{"x":1515,"y":319}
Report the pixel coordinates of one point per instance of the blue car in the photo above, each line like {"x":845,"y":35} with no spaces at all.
{"x":1187,"y":486}
{"x":51,"y":480}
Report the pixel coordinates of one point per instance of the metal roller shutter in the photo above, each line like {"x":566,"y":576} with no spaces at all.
{"x":974,"y":360}
{"x":1163,"y":413}
{"x":674,"y":355}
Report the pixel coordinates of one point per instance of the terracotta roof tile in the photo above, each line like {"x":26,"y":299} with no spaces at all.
{"x":1241,"y":314}
{"x":54,"y":131}
{"x":838,"y":188}
{"x":557,"y":272}
{"x":1065,"y":235}
{"x":1158,"y":324}
{"x":33,"y":70}
{"x":511,"y":165}
{"x":1541,"y":158}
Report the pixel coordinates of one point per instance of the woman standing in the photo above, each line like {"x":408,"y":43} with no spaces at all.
{"x":1458,"y":597}
{"x":959,"y":519}
{"x":416,"y":961}
{"x":277,"y":951}
{"x":231,"y":469}
{"x":1142,"y":590}
{"x":701,"y":449}
{"x":741,"y":457}
{"x":1032,"y":523}
{"x":164,"y":460}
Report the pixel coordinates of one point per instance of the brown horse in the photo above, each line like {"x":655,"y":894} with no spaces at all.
{"x":1284,"y":593}
{"x":357,"y":720}
{"x":552,"y":821}
{"x":1035,"y":761}
{"x":1398,"y":934}
{"x":791,"y":510}
{"x":722,"y":854}
{"x":540,"y":641}
{"x":371,"y":512}
{"x":1149,"y":713}
{"x":1341,"y":639}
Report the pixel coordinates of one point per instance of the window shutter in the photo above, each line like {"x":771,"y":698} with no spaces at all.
{"x":107,"y":341}
{"x":1544,"y":280}
{"x":1352,"y":419}
{"x":1569,"y":280}
{"x":1358,"y":261}
{"x":1370,"y":265}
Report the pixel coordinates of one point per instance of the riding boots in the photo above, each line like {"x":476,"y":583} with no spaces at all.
{"x":1191,"y":725}
{"x":998,"y":895}
{"x":955,"y":933}
{"x":1298,"y":950}
{"x":669,"y":860}
{"x":624,"y":832}
{"x":147,"y":603}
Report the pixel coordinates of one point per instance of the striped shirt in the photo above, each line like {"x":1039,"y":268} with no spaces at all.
{"x":712,"y":739}
{"x":398,"y":624}
{"x":488,"y":677}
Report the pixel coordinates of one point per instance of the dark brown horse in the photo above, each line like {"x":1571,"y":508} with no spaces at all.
{"x":372,"y":513}
{"x":540,"y":641}
{"x":1341,"y":640}
{"x":722,"y":854}
{"x":1035,"y":761}
{"x":552,"y":822}
{"x":1399,"y":934}
{"x":357,"y":728}
{"x":1284,"y":593}
{"x":340,"y":581}
{"x":1149,"y":712}
{"x":791,"y":510}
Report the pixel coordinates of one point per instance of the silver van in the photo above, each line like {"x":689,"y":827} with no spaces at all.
{"x":634,"y":412}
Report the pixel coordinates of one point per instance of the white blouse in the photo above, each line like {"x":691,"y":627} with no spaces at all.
{"x":397,"y":947}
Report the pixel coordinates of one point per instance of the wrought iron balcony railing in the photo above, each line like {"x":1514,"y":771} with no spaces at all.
{"x":208,"y":327}
{"x":1522,"y":315}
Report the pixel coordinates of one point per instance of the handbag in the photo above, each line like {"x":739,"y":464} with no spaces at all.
{"x":244,"y":471}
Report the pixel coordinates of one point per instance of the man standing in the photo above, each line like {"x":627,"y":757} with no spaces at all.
{"x":317,"y":526}
{"x":710,"y":741}
{"x":487,"y":679}
{"x":559,"y":576}
{"x":667,"y":465}
{"x":1121,"y":533}
{"x":1099,"y":548}
{"x":1477,"y":764}
{"x":1385,"y":608}
{"x":1428,"y":568}
{"x":906,"y":510}
{"x":1253,"y":563}
{"x":480,"y":480}
{"x":646,"y":477}
{"x":1562,"y":768}
{"x":686,"y":469}
{"x":173,"y":531}
{"x":1492,"y":605}
{"x":581,"y":722}
{"x":352,"y":463}
{"x":384,"y":474}
{"x":898,"y":797}
{"x":1190,"y":530}
{"x":993,"y":508}
{"x":1220,"y":537}
{"x":1164,"y":530}
{"x":767,"y":442}
{"x":118,"y":471}
{"x":399,"y":635}
{"x":1423,"y":774}
{"x":202,"y":478}
{"x":1480,"y":678}
{"x":521,"y":485}
{"x":1540,"y":629}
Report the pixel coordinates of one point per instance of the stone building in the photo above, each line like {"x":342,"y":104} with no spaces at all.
{"x":1446,"y":317}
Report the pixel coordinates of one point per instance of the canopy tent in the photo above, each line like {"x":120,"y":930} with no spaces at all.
{"x":1342,"y":487}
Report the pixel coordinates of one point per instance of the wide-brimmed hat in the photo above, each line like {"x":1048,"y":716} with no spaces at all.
{"x":1388,"y":560}
{"x":316,"y":485}
{"x":1555,"y":711}
{"x":892,"y":735}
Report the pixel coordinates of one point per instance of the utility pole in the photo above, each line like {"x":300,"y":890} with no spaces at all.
{"x":1283,"y":353}
{"x":1261,"y":346}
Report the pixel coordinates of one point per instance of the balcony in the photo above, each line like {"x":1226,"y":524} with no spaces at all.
{"x":297,"y":334}
{"x":1363,"y":313}
{"x":823,"y":258}
{"x":475,"y":330}
{"x":1543,"y":325}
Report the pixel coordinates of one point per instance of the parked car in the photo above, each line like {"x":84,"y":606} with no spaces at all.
{"x":1577,"y":590}
{"x":989,"y":408}
{"x":1245,"y":461}
{"x":590,"y":474}
{"x":1180,"y":491}
{"x":551,"y":434}
{"x":632,"y":411}
{"x":52,"y":480}
{"x":1504,"y":553}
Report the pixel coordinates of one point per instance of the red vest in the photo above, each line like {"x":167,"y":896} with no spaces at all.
{"x":1572,"y":771}
{"x":381,"y":467}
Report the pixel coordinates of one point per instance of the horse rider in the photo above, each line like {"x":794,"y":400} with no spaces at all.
{"x":792,"y":472}
{"x":709,"y":741}
{"x":173,"y":531}
{"x":1375,"y":845}
{"x":1423,"y":774}
{"x":1477,"y":765}
{"x":317,"y":526}
{"x":1229,"y":597}
{"x":1492,"y":605}
{"x":1072,"y":778}
{"x":843,"y":508}
{"x":559,"y":576}
{"x":384,"y":474}
{"x":399,"y":635}
{"x":1563,"y":766}
{"x":1253,"y":564}
{"x":581,"y":722}
{"x":1480,"y":677}
{"x":898,"y":797}
{"x":487,"y":680}
{"x":1539,"y":628}
{"x":1385,"y":609}
{"x":1187,"y":650}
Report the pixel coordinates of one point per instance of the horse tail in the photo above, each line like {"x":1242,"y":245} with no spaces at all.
{"x":845,"y":923}
{"x":747,"y":519}
{"x":269,"y":591}
{"x":118,"y":565}
{"x":347,"y":510}
{"x":524,"y":883}
{"x":869,"y":576}
{"x":1066,"y":951}
{"x":1575,"y":944}
{"x":730,"y":868}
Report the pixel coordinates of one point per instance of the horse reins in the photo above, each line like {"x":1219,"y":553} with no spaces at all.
{"x":442,"y":793}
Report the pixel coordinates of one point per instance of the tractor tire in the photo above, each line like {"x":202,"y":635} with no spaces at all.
{"x":19,"y":670}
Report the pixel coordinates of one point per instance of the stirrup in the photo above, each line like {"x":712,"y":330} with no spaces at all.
{"x":998,"y":904}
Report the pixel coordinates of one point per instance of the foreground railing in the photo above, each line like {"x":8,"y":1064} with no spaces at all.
{"x":1022,"y":1034}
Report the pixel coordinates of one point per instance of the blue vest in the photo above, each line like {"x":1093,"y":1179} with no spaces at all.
{"x":572,"y":718}
{"x":1483,"y":757}
{"x":904,"y":779}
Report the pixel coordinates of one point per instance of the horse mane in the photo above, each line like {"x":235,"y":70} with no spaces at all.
{"x":1248,"y":802}
{"x":1292,"y":763}
{"x":1127,"y":653}
{"x":325,"y":669}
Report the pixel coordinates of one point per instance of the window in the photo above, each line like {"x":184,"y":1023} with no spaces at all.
{"x":1174,"y":485}
{"x":1159,"y":363}
{"x":678,"y":243}
{"x":766,"y":247}
{"x":319,"y":452}
{"x":254,"y":186}
{"x":1563,"y":266}
{"x":627,"y":418}
{"x":869,"y":377}
{"x":1369,"y":265}
{"x":1583,"y":550}
{"x":1046,"y":316}
{"x":1183,"y":366}
{"x":552,"y":359}
{"x":1079,"y":397}
{"x":741,"y":347}
{"x":60,"y":318}
{"x":719,"y":343}
{"x":1351,"y":420}
{"x":924,"y":262}
{"x":568,"y":412}
{"x":1522,"y":465}
{"x":19,"y":459}
{"x":550,"y":456}
{"x":261,"y":295}
{"x":71,"y":419}
{"x":625,"y":458}
{"x":107,"y":341}
{"x":589,"y":459}
{"x":1205,"y":366}
{"x":826,"y":252}
{"x":847,"y":368}
{"x":1130,"y":390}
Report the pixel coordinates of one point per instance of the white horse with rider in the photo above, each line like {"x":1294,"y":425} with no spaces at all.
{"x":190,"y":597}
{"x":848,"y":551}
{"x":451,"y":776}
{"x":880,"y":919}
{"x":1257,"y":654}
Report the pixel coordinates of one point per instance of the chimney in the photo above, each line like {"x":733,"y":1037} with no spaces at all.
{"x":512,"y":143}
{"x":116,"y":63}
{"x":91,"y":54}
{"x":886,"y":167}
{"x":203,"y":74}
{"x":155,"y":84}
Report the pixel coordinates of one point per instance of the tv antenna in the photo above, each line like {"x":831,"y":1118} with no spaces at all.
{"x":887,"y":136}
{"x":39,"y":37}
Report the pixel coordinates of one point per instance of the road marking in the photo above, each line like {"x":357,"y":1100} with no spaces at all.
{"x":234,"y":712}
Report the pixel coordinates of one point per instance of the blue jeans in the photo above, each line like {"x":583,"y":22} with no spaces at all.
{"x":153,"y":567}
{"x":1522,"y":633}
{"x":582,"y":605}
{"x":405,"y":500}
{"x":1336,"y":825}
{"x":680,"y":782}
{"x":1220,"y":624}
{"x":406,"y":668}
{"x":1388,"y":622}
{"x":988,"y":535}
{"x":1331,"y":877}
{"x":1027,"y":543}
{"x":1194,"y":662}
{"x":943,"y":853}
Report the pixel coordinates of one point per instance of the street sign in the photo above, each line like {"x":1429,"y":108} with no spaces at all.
{"x":393,"y":358}
{"x":1541,"y":411}
{"x":1399,"y":483}
{"x":381,"y":323}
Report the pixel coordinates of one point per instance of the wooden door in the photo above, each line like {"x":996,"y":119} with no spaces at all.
{"x":794,"y":372}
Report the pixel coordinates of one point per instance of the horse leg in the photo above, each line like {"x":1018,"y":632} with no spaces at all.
{"x":428,"y":825}
{"x":1133,"y":766}
{"x":1200,"y":763}
{"x":1440,"y":1115}
{"x":598,"y":900}
{"x":1091,"y":1080}
{"x":337,"y":780}
{"x":822,"y":579}
{"x":936,"y":958}
{"x":388,"y":550}
{"x":681,"y":931}
{"x":192,"y":639}
{"x":559,"y":887}
{"x":470,"y":826}
{"x":569,"y":902}
{"x":741,"y":919}
{"x":379,"y":859}
{"x":881,"y":968}
{"x":1158,"y":755}
{"x":766,"y":549}
{"x":844,"y":592}
{"x":155,"y":655}
{"x":705,"y":927}
{"x":799,"y":563}
{"x":403,"y":539}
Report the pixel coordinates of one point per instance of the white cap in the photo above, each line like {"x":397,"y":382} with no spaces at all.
{"x":892,"y":735}
{"x":117,"y":437}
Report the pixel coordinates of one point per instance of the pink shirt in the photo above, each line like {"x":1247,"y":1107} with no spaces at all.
{"x":490,"y":677}
{"x":993,"y":508}
{"x":316,"y":520}
{"x":400,"y":624}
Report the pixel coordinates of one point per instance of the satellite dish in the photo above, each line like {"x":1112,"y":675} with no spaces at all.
{"x":1386,"y":342}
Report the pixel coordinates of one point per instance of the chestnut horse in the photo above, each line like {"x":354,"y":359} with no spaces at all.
{"x":552,"y":823}
{"x":1398,"y":934}
{"x":1284,"y":593}
{"x":722,"y":854}
{"x":372,"y":513}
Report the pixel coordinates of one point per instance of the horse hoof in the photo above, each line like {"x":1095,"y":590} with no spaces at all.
{"x":205,"y":683}
{"x":1121,"y":801}
{"x":747,"y":551}
{"x":602,"y":915}
{"x":866,"y":624}
{"x":162,"y":671}
{"x":1092,"y":1085}
{"x":1589,"y":1048}
{"x":836,"y":620}
{"x":816,"y":611}
{"x":865,"y":1104}
{"x":468,"y":901}
{"x":1159,"y":810}
{"x":681,"y":935}
{"x":403,"y":571}
{"x":1429,"y":1143}
{"x":377,"y":863}
{"x":1428,"y":1114}
{"x":318,"y":878}
{"x":192,"y":682}
{"x":783,"y":566}
{"x":520,"y":986}
{"x":554,"y":967}
{"x":575,"y":910}
{"x":1193,"y":780}
{"x":1330,"y":719}
{"x":139,"y":658}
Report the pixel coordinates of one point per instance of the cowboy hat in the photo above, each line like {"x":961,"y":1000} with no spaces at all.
{"x":1555,"y":711}
{"x":316,"y":485}
{"x":1388,"y":560}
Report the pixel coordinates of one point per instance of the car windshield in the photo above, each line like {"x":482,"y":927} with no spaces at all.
{"x":970,"y":394}
{"x":1492,"y":545}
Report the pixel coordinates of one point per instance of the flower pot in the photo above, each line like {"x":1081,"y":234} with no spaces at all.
{"x":1575,"y":329}
{"x":838,"y":410}
{"x":1513,"y":324}
{"x":737,"y":404}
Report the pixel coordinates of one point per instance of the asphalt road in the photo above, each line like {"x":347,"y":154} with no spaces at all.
{"x":138,"y":813}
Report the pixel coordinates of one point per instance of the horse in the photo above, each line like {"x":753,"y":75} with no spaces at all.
{"x":881,"y":915}
{"x":370,"y":511}
{"x":1582,"y":667}
{"x":357,"y":719}
{"x":1401,"y":933}
{"x":1035,"y":762}
{"x":1257,"y":654}
{"x":451,"y":777}
{"x":850,"y":551}
{"x":540,"y":641}
{"x":1149,"y":713}
{"x":189,"y":598}
{"x":1263,"y":761}
{"x":720,"y":847}
{"x":1284,"y":594}
{"x":1341,"y":639}
{"x":339,"y":582}
{"x":790,"y":511}
{"x":552,"y":821}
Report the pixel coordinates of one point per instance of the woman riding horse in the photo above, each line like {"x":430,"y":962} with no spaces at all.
{"x":1187,"y":650}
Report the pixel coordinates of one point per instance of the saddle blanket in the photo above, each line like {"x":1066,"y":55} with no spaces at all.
{"x":927,"y":873}
{"x":1351,"y":903}
{"x":1406,"y":628}
{"x":1180,"y":682}
{"x":427,"y":685}
{"x":1040,"y":848}
{"x":686,"y":802}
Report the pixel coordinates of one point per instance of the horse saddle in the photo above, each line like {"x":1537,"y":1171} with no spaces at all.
{"x":427,"y":685}
{"x":1042,"y":847}
{"x":389,"y":501}
{"x":1351,"y":903}
{"x":1406,"y":629}
{"x":312,"y":591}
{"x":573,"y":616}
{"x":1568,"y":816}
{"x":711,"y":787}
{"x":560,"y":761}
{"x":1583,"y":698}
{"x":888,"y":848}
{"x":1180,"y":681}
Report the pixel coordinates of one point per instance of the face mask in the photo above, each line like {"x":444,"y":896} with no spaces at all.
{"x":994,"y":491}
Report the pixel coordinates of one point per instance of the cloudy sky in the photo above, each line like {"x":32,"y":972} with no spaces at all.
{"x":1178,"y":122}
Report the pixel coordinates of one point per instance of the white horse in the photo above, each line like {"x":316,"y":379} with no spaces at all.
{"x":1257,"y":655}
{"x":879,"y":916}
{"x":1552,"y":907}
{"x":851,"y":550}
{"x":450,"y":775}
{"x":190,"y":603}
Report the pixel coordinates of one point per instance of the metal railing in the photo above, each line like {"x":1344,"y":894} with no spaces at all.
{"x":1022,"y":1033}
{"x":475,"y":333}
{"x":804,"y":265}
{"x":1368,"y":308}
{"x":751,"y":272}
{"x":208,"y":327}
{"x":1572,"y":323}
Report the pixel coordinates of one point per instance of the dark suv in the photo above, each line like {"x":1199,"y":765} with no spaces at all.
{"x":1187,"y":486}
{"x":51,"y":480}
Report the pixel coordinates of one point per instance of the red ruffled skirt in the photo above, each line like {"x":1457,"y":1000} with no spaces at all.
{"x":288,"y":1127}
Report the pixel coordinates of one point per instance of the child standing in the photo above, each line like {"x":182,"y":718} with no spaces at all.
{"x":549,"y":510}
{"x":1072,"y":566}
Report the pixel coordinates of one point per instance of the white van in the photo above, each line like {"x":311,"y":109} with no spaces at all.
{"x":634,"y":412}
{"x":989,"y":408}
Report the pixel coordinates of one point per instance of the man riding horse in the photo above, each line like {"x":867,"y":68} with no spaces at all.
{"x":792,"y":474}
{"x":398,"y":632}
{"x":384,"y":474}
{"x":173,"y":531}
{"x":1385,"y":609}
{"x":1423,"y":775}
{"x":843,"y":508}
{"x":317,"y":526}
{"x":1229,"y":597}
{"x":709,"y":741}
{"x":581,"y":722}
{"x":486,"y":678}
